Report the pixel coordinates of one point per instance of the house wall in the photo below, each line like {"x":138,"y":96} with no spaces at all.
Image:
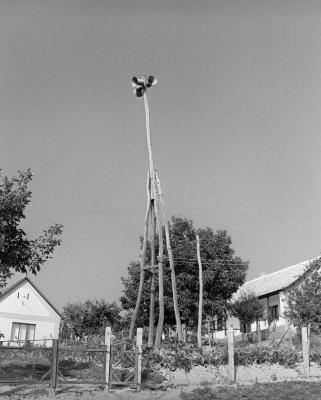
{"x":25,"y":305}
{"x":272,"y":300}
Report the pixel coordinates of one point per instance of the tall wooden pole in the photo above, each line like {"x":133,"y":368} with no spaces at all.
{"x":200,"y":302}
{"x":152,"y":283}
{"x":160,"y":277}
{"x":155,"y":207}
{"x":154,"y":199}
{"x":149,"y":147}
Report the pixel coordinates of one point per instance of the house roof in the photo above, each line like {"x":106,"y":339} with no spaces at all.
{"x":275,"y":281}
{"x":19,"y":283}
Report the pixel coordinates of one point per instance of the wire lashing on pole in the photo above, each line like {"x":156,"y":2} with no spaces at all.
{"x":140,"y":84}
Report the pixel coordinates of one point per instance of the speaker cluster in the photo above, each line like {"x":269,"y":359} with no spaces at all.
{"x":140,"y":84}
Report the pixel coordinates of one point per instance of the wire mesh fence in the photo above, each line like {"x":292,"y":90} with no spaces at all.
{"x":29,"y":361}
{"x":82,"y":363}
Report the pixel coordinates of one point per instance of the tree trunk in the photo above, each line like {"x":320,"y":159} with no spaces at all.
{"x":200,"y":302}
{"x":258,"y":330}
{"x":142,"y":271}
{"x":152,"y":284}
{"x":171,"y":262}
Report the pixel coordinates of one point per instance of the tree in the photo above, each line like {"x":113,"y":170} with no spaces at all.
{"x":223,"y":273}
{"x":88,"y":318}
{"x":248,"y":308}
{"x":18,"y":253}
{"x":304,"y":298}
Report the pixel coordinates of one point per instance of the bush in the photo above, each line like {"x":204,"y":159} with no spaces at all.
{"x":185,"y":356}
{"x":264,"y":354}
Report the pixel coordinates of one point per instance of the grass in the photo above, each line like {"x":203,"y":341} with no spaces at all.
{"x":267,"y":391}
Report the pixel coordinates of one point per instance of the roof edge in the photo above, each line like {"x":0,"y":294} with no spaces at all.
{"x":303,"y":263}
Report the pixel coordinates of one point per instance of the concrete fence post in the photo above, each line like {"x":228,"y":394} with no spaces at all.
{"x":230,"y":343}
{"x":139,"y":346}
{"x":305,"y":349}
{"x":107,"y":359}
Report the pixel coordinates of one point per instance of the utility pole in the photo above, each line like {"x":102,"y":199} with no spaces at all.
{"x":200,"y":296}
{"x":154,"y":218}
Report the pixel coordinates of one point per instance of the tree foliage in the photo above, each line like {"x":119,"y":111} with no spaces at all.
{"x":304,"y":299}
{"x":223,"y":273}
{"x":248,"y":308}
{"x":88,"y":318}
{"x":18,"y":253}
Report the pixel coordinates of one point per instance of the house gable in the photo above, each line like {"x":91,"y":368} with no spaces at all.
{"x":24,"y":298}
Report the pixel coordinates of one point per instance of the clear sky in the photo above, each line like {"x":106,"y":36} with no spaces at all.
{"x":236,"y":127}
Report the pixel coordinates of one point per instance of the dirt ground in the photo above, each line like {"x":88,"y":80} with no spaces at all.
{"x":181,"y":385}
{"x":295,"y":390}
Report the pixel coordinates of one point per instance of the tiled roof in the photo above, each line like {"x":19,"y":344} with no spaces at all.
{"x":275,"y":281}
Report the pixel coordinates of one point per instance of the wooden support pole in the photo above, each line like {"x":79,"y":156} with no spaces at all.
{"x":200,"y":301}
{"x":107,"y":359}
{"x":142,"y":271}
{"x":149,"y":145}
{"x":54,"y":364}
{"x":139,"y":345}
{"x":305,"y":350}
{"x":160,"y":276}
{"x":230,"y":342}
{"x":171,"y":261}
{"x":152,"y":283}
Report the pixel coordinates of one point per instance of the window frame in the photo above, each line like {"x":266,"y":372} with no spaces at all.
{"x":26,"y":338}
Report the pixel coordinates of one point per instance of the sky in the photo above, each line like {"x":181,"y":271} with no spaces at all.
{"x":235,"y":121}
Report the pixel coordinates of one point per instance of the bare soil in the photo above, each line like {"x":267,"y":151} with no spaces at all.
{"x":201,"y":383}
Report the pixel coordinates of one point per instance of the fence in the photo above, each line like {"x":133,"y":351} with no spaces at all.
{"x":305,"y":344}
{"x":116,"y":362}
{"x":25,"y":362}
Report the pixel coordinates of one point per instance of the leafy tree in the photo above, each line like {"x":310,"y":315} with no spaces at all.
{"x":304,"y":299}
{"x":17,"y":252}
{"x":88,"y":318}
{"x":248,"y":308}
{"x":223,"y":273}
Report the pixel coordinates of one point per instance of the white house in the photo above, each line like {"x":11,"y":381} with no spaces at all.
{"x":271,"y":290}
{"x":27,"y":315}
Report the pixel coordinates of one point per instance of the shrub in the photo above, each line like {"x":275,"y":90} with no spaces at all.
{"x":264,"y":354}
{"x":185,"y":356}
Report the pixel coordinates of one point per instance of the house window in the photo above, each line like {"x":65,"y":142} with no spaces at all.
{"x":22,"y":332}
{"x":274,"y":313}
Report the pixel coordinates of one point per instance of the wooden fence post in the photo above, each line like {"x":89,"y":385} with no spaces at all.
{"x":107,"y":360}
{"x":305,"y":350}
{"x":54,"y":364}
{"x":184,"y":333}
{"x":289,"y":333}
{"x":139,"y":344}
{"x":230,"y":343}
